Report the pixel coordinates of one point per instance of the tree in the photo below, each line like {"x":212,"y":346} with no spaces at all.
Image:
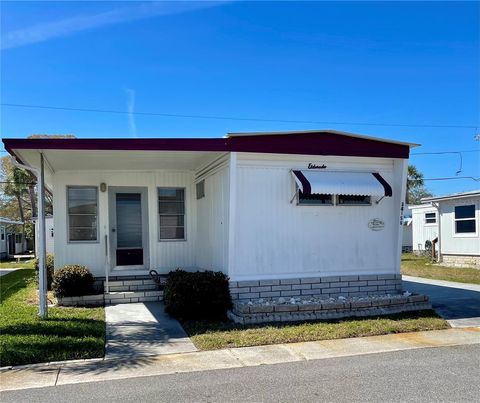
{"x":416,"y":189}
{"x":18,"y":199}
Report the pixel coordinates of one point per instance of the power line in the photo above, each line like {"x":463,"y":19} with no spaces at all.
{"x":452,"y":178}
{"x":215,"y":117}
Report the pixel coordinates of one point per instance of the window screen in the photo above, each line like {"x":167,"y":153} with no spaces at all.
{"x":82,"y":213}
{"x":171,"y":209}
{"x":349,"y":200}
{"x":465,"y":219}
{"x":430,"y":218}
{"x":314,"y":199}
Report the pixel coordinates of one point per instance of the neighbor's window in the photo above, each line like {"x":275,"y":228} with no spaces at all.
{"x":314,"y":199}
{"x":465,"y":219}
{"x":2,"y":234}
{"x":430,"y":218}
{"x":349,"y":200}
{"x":200,"y":187}
{"x":82,"y":213}
{"x":171,"y":208}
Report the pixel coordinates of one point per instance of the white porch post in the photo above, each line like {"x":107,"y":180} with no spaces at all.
{"x":42,"y":271}
{"x":232,"y":211}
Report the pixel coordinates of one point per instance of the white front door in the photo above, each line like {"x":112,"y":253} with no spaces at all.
{"x":128,"y":228}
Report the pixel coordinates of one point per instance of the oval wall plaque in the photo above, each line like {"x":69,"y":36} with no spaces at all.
{"x":376,"y":224}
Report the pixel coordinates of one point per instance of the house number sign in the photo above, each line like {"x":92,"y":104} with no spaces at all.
{"x":376,"y":224}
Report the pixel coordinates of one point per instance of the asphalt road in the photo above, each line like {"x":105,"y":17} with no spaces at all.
{"x":429,"y":374}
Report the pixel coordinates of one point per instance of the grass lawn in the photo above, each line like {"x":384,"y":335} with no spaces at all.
{"x":215,"y":335}
{"x":421,"y":266}
{"x":68,"y":333}
{"x":12,"y":264}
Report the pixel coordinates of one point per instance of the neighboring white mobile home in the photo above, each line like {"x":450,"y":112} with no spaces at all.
{"x":260,"y":207}
{"x":407,"y":237}
{"x":49,"y":234}
{"x":424,"y":226}
{"x":458,"y":232}
{"x":12,"y":240}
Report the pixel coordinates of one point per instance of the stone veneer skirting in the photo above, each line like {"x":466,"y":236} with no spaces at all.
{"x":332,"y":286}
{"x":461,"y":261}
{"x":384,"y":305}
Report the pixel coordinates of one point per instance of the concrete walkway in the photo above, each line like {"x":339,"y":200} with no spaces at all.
{"x":458,"y":303}
{"x":143,"y":329}
{"x":6,"y":271}
{"x":42,"y":375}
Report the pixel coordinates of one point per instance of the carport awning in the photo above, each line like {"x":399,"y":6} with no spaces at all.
{"x":342,"y":183}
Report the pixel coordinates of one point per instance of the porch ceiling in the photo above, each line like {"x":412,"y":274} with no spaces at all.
{"x":88,"y":160}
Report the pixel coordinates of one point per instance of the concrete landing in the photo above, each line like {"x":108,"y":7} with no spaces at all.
{"x":143,"y":329}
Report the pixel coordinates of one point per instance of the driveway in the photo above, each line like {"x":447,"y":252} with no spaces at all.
{"x":143,"y":329}
{"x":458,"y":303}
{"x":6,"y":271}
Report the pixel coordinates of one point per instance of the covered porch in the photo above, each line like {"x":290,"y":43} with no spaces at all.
{"x":122,"y":213}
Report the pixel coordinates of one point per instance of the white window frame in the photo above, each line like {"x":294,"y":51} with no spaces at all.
{"x":425,"y":218}
{"x":454,"y":221}
{"x":97,"y":240}
{"x":184,"y":214}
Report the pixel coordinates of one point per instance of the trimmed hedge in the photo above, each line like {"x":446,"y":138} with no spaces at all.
{"x":50,"y":270}
{"x":73,"y":281}
{"x":197,"y":295}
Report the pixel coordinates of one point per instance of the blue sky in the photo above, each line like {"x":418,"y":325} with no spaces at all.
{"x":408,"y":63}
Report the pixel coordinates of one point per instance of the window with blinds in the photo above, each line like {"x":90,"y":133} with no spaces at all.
{"x":82,"y":207}
{"x":171,"y":209}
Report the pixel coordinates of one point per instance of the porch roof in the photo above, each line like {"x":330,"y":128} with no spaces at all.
{"x":321,"y":142}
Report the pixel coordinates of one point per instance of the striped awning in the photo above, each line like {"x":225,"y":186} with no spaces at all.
{"x":342,"y":183}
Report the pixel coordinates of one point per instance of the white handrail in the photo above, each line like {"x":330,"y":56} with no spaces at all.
{"x":106,"y":286}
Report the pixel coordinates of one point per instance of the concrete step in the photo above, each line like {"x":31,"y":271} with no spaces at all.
{"x":132,"y":285}
{"x":126,"y":297}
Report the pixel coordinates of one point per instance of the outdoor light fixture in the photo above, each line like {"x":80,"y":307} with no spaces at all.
{"x":103,"y":187}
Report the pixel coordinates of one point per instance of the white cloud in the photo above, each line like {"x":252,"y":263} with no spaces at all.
{"x":54,"y":29}
{"x":131,"y":110}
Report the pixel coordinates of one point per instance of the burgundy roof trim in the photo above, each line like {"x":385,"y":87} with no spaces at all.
{"x":318,"y":143}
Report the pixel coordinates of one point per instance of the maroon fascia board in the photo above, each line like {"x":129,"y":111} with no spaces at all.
{"x":317,"y":143}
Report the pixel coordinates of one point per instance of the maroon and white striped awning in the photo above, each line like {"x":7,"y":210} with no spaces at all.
{"x":342,"y":183}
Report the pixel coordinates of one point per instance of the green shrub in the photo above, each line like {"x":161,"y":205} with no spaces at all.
{"x":50,"y":270}
{"x":198,"y":295}
{"x":72,"y":281}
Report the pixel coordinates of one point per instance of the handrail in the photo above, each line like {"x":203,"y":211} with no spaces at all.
{"x":106,"y":286}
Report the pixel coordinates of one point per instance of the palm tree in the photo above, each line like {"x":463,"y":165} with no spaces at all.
{"x":414,"y":181}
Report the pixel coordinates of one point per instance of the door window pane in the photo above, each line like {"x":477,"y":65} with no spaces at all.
{"x":129,"y":220}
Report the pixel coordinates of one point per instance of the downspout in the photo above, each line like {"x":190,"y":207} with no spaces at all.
{"x":439,"y":255}
{"x":42,"y":251}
